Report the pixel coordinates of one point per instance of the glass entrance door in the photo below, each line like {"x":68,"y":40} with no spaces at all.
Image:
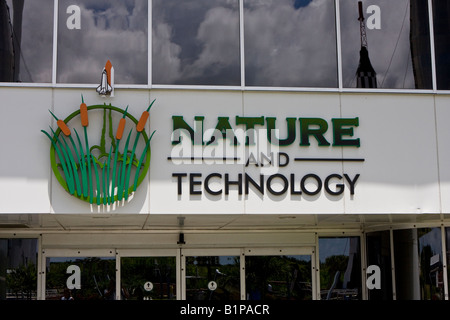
{"x":279,"y":274}
{"x":79,"y":275}
{"x":149,"y":274}
{"x":212,"y":274}
{"x":179,"y":274}
{"x":248,"y":274}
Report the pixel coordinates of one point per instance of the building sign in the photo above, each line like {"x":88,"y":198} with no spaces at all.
{"x":107,"y":160}
{"x":255,"y":142}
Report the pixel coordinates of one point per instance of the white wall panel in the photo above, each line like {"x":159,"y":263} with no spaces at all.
{"x":398,"y":142}
{"x":443,"y":134}
{"x":24,"y":169}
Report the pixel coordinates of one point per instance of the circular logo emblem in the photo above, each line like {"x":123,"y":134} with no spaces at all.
{"x":100,"y":153}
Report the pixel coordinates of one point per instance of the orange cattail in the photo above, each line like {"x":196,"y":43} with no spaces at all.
{"x":64,"y":128}
{"x":62,"y":125}
{"x":84,"y":115}
{"x":120,"y":129}
{"x":141,"y":124}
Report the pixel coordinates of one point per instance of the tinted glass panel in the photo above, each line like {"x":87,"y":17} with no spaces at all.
{"x":379,"y":255}
{"x":149,"y":278}
{"x":26,"y":40}
{"x":389,"y":47}
{"x":430,"y":262}
{"x":196,"y":42}
{"x":340,"y":268}
{"x":282,"y":50}
{"x":91,"y":32}
{"x":441,"y":19}
{"x":212,"y":278}
{"x":278,"y":277}
{"x":406,"y":270}
{"x":18,"y":269}
{"x":86,"y":278}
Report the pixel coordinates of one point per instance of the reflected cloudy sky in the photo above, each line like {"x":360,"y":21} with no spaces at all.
{"x":196,"y":42}
{"x":110,"y":30}
{"x":290,"y":43}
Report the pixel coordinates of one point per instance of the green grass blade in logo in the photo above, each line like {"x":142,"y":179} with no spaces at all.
{"x":124,"y":165}
{"x":83,"y":167}
{"x":141,"y":160}
{"x":97,"y":179}
{"x":88,"y":157}
{"x":63,"y":163}
{"x":108,"y":163}
{"x":68,"y":163}
{"x":127,"y":179}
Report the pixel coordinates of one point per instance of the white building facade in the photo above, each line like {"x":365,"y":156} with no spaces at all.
{"x":230,"y":151}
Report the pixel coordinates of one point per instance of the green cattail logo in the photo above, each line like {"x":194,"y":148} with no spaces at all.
{"x":102,"y":173}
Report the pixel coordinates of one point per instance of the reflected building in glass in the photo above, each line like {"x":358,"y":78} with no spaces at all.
{"x":420,"y":44}
{"x":6,"y":45}
{"x":366,"y":77}
{"x":26,"y":41}
{"x":398,"y":40}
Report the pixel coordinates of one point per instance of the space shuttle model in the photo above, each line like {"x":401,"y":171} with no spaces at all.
{"x":106,"y":87}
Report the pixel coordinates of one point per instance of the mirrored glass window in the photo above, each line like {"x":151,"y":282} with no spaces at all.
{"x":430,"y":263}
{"x":18,"y":269}
{"x":290,"y":43}
{"x":196,"y":42}
{"x":385,"y":44}
{"x":441,"y":19}
{"x":340,"y":268}
{"x":91,"y":32}
{"x":26,"y":40}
